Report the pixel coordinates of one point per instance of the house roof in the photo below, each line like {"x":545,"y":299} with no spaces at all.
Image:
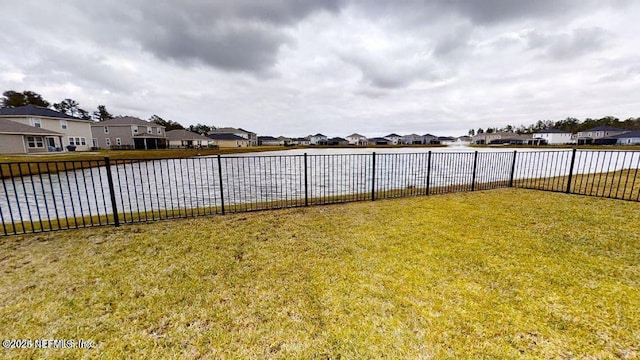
{"x":413,"y":135}
{"x":430,"y":135}
{"x":225,"y":136}
{"x":229,"y":130}
{"x":319,"y":135}
{"x":268,"y":138}
{"x":125,"y":120}
{"x":337,"y":139}
{"x":604,"y":128}
{"x":629,"y":134}
{"x":356,"y":135}
{"x":378,"y":139}
{"x":180,"y":134}
{"x":32,"y":110}
{"x":552,"y":131}
{"x":393,"y":135}
{"x":12,"y":127}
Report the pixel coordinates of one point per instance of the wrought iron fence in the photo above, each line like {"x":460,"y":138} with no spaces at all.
{"x":46,"y":196}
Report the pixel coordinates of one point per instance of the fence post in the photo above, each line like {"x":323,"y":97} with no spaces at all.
{"x":112,"y":191}
{"x":220,"y":183}
{"x":373,"y":177}
{"x":513,"y":168}
{"x":573,"y":161}
{"x":428,"y":172}
{"x":306,"y":183}
{"x":475,"y":164}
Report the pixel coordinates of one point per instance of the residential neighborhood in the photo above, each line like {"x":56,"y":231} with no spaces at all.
{"x":34,"y":129}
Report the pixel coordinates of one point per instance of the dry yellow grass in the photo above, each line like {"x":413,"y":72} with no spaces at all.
{"x":492,"y":274}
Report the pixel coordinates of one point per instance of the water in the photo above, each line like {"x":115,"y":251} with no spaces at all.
{"x":267,"y":177}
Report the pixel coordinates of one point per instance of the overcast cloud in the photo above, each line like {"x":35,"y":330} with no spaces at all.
{"x":286,"y":67}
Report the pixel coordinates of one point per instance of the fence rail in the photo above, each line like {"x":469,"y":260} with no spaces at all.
{"x":55,"y":195}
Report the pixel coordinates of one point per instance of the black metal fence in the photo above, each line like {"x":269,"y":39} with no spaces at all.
{"x":46,"y":196}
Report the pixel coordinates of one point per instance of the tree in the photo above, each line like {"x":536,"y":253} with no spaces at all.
{"x":472,"y":132}
{"x":480,"y":131}
{"x":14,"y":99}
{"x":102,"y":114}
{"x":201,"y":128}
{"x":84,"y":114}
{"x":168,"y":124}
{"x":67,"y":106}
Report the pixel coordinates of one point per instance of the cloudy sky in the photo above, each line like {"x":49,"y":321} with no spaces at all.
{"x":285,"y":67}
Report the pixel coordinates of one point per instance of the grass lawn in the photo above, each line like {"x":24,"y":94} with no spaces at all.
{"x":506,"y":273}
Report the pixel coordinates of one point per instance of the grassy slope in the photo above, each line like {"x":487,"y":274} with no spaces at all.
{"x":504,"y":273}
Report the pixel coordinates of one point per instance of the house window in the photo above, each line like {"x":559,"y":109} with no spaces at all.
{"x":77,"y":141}
{"x":149,"y":131}
{"x":37,"y":123}
{"x":118,"y":141}
{"x":106,"y":129}
{"x":35,"y":142}
{"x":63,"y":124}
{"x":135,"y":129}
{"x":95,"y":142}
{"x":159,"y":131}
{"x":107,"y":142}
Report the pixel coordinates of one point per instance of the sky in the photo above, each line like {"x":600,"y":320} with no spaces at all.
{"x":294,"y":68}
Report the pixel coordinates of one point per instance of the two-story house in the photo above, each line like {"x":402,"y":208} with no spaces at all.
{"x":32,"y":129}
{"x":127,"y":132}
{"x":554,"y":136}
{"x":251,"y":137}
{"x":591,"y":136}
{"x":318,"y":139}
{"x":394,"y":139}
{"x":357,"y":139}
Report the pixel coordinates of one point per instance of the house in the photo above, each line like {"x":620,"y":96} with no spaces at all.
{"x":356,"y":139}
{"x":488,"y":138}
{"x":300,"y":141}
{"x":284,"y":140}
{"x":184,"y":139}
{"x":268,"y":141}
{"x":225,"y":140}
{"x":251,"y":137}
{"x":463,"y":140}
{"x":58,"y":130}
{"x":628,"y":138}
{"x":430,"y":139}
{"x":378,"y":141}
{"x":337,"y":141}
{"x":318,"y":139}
{"x":590,"y":136}
{"x":413,"y":139}
{"x":18,"y":138}
{"x":553,"y":136}
{"x":128,"y":132}
{"x":394,"y":139}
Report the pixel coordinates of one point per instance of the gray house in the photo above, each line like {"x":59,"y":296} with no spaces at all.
{"x":127,"y":132}
{"x":184,"y":139}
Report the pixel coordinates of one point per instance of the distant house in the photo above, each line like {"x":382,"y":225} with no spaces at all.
{"x":185,"y":139}
{"x":430,"y":139}
{"x":251,"y":137}
{"x":357,"y":139}
{"x":489,"y":138}
{"x":318,"y":139}
{"x":394,"y":139}
{"x":378,"y":141}
{"x":300,"y":141}
{"x":337,"y":141}
{"x":269,"y":141}
{"x":591,"y":136}
{"x":127,"y":132}
{"x":463,"y":140}
{"x":554,"y":136}
{"x":628,"y":138}
{"x":228,"y":140}
{"x":413,"y":139}
{"x":57,"y":130}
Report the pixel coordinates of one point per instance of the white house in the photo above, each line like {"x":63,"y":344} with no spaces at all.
{"x":318,"y":139}
{"x":44,"y":130}
{"x":554,"y":136}
{"x":394,"y":139}
{"x":357,"y":139}
{"x":628,"y":138}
